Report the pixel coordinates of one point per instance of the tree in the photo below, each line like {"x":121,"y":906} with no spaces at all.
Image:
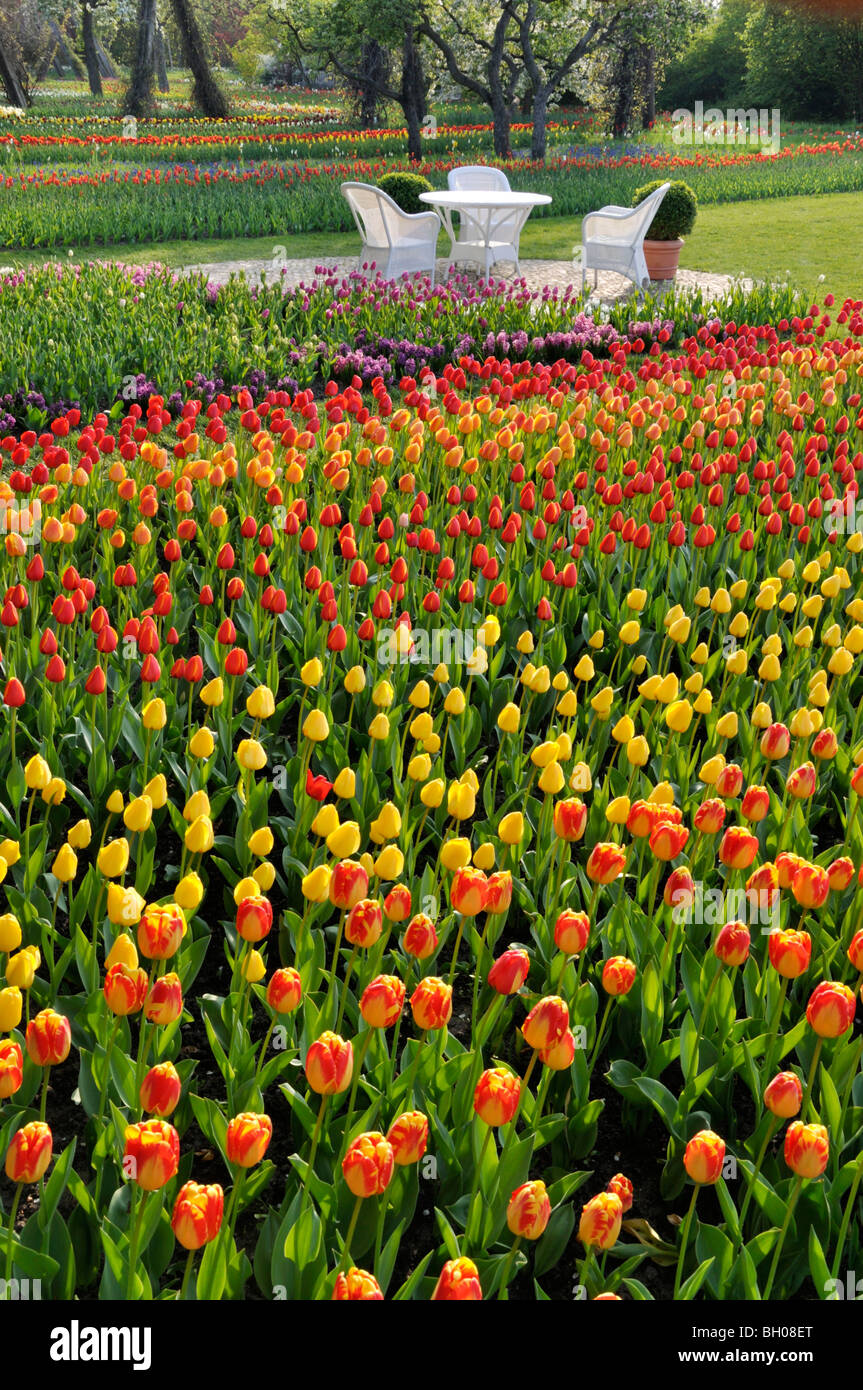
{"x":91,"y":55}
{"x":476,"y":47}
{"x":138,"y":100}
{"x":206,"y":92}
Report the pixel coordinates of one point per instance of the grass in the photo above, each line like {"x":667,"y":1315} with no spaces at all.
{"x":789,"y":239}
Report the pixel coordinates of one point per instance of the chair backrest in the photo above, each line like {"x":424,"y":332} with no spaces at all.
{"x":373,"y":211}
{"x":646,"y":210}
{"x":477,"y":178}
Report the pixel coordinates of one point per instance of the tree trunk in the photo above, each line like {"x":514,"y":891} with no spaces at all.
{"x":139,"y":98}
{"x":373,"y":68}
{"x":206,"y":92}
{"x":500,"y":125}
{"x":91,"y":58}
{"x":11,"y":80}
{"x":413,"y":92}
{"x":623,"y":101}
{"x":106,"y":65}
{"x":70,"y":58}
{"x":648,"y":108}
{"x":161,"y":65}
{"x":540,"y":121}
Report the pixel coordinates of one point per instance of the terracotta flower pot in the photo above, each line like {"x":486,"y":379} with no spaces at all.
{"x":662,"y":258}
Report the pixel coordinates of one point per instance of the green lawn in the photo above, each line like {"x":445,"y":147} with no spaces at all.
{"x":788,"y":239}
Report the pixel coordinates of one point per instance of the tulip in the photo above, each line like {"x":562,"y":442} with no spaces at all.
{"x":784,"y":1095}
{"x":529,"y":1210}
{"x":431,"y":1004}
{"x":570,"y":819}
{"x":152,"y":1154}
{"x":160,"y":931}
{"x":618,"y":975}
{"x":420,"y":938}
{"x":605,"y":863}
{"x":11,"y":1068}
{"x":368,"y":1165}
{"x":348,"y":884}
{"x":125,"y":989}
{"x":10,"y":932}
{"x":382,"y":1001}
{"x":510,"y":971}
{"x":254,"y":918}
{"x":113,"y":858}
{"x":546,"y":1023}
{"x":408,"y":1137}
{"x":790,"y":952}
{"x":161,"y":1090}
{"x":29,"y":1152}
{"x":561,"y":1055}
{"x":458,"y":1281}
{"x":247,"y":1139}
{"x":496,"y":1096}
{"x":600,"y":1222}
{"x":11,"y":1009}
{"x":329,"y":1065}
{"x":738,"y":847}
{"x":197,"y":1216}
{"x":810,"y":886}
{"x":48,"y":1038}
{"x":164,"y":1004}
{"x":704,"y":1157}
{"x":830,"y":1011}
{"x":622,"y":1187}
{"x":364,"y":923}
{"x":357,"y":1286}
{"x":732,"y":944}
{"x":284,"y":991}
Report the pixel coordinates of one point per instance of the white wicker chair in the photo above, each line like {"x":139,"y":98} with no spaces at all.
{"x":500,"y":228}
{"x":400,"y":243}
{"x":613,"y":239}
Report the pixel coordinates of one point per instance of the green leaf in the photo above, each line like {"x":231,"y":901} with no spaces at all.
{"x":554,"y":1240}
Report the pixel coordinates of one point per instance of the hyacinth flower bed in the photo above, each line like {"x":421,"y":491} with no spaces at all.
{"x":74,"y":336}
{"x":430,"y":835}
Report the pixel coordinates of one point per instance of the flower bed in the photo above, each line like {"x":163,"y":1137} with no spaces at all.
{"x":396,"y":788}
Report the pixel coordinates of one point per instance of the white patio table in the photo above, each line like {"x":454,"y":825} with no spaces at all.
{"x":490,"y":222}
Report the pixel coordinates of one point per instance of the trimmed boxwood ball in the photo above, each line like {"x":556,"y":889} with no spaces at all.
{"x":405,"y":189}
{"x":677,"y":211}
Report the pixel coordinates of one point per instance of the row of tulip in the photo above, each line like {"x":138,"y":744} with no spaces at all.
{"x":505,"y":735}
{"x":190,"y":201}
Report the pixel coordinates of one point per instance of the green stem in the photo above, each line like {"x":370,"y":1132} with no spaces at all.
{"x":771,"y":1130}
{"x":346,"y":1248}
{"x":316,"y":1134}
{"x":792,"y":1202}
{"x":505,"y":1276}
{"x":811,"y":1078}
{"x":846,"y":1217}
{"x":684,"y":1240}
{"x":186,"y":1275}
{"x":468,"y":1225}
{"x":133,"y":1247}
{"x":12,"y":1218}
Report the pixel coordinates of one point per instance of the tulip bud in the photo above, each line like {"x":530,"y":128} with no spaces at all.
{"x":704,"y":1157}
{"x":48,"y":1038}
{"x":495,"y":1097}
{"x":357,"y":1286}
{"x":529,"y":1210}
{"x":11,"y":1068}
{"x":247,"y":1139}
{"x":546,"y":1023}
{"x":160,"y":931}
{"x":510,"y":971}
{"x":408,"y":1137}
{"x":831,"y":1009}
{"x":29,"y":1152}
{"x":368,"y":1165}
{"x":161,"y":1090}
{"x":285,"y":991}
{"x":329,"y":1064}
{"x":807,"y":1149}
{"x":458,"y":1282}
{"x":152,"y":1154}
{"x":601,"y":1220}
{"x":197,"y":1216}
{"x":784,"y":1095}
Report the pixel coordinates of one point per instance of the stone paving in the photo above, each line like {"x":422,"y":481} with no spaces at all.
{"x":536,"y":274}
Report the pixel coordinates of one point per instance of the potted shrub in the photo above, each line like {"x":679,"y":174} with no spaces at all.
{"x":405,"y":189}
{"x":674,"y":220}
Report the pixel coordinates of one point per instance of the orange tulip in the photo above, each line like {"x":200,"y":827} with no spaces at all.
{"x":382,"y":1001}
{"x":11,"y":1068}
{"x":197,"y":1216}
{"x":618,"y":975}
{"x":357,"y":1286}
{"x":254,"y":918}
{"x":621,"y":1185}
{"x":160,"y":932}
{"x":431,"y":1003}
{"x":738,"y":847}
{"x":285,"y":991}
{"x":605,"y":863}
{"x":165,"y":1001}
{"x":458,"y":1282}
{"x":784,"y":1095}
{"x":349,"y":883}
{"x":495,"y":1097}
{"x":364,"y":922}
{"x":125,"y":990}
{"x":790,"y":952}
{"x":561,"y":1055}
{"x":248,"y":1138}
{"x":732,"y":944}
{"x":807,"y":1149}
{"x":29,"y":1152}
{"x":408,"y":1135}
{"x":48,"y":1038}
{"x":570,"y":819}
{"x":600,"y":1222}
{"x":420,"y":938}
{"x":510,"y":971}
{"x":811,"y":886}
{"x":329,"y":1065}
{"x":368,"y":1165}
{"x":161,"y":1090}
{"x":529,"y":1210}
{"x":546,"y":1023}
{"x":704,"y":1157}
{"x":468,"y":891}
{"x":831,"y":1008}
{"x":152,"y":1154}
{"x":571,"y":932}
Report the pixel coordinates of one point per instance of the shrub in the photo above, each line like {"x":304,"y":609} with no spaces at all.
{"x":676,"y":214}
{"x":405,"y":189}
